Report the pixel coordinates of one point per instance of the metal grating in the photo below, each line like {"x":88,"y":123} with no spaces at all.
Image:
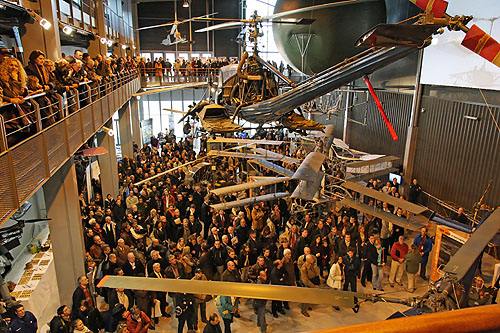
{"x":456,"y":157}
{"x":88,"y":126}
{"x":97,"y":111}
{"x":56,"y":146}
{"x":74,"y":132}
{"x":29,"y":167}
{"x":105,"y":109}
{"x":7,"y":204}
{"x":397,"y":106}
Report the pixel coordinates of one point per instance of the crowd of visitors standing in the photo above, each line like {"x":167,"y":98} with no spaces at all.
{"x":166,"y":228}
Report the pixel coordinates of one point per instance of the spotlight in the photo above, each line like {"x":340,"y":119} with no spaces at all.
{"x":124,"y":46}
{"x":67,"y":30}
{"x":108,"y":130}
{"x":133,"y":46}
{"x":110,"y":42}
{"x":45,"y":24}
{"x":103,"y":40}
{"x":185,"y":4}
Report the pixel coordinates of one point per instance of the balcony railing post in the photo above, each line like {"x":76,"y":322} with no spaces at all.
{"x":89,"y":92}
{"x":38,"y":115}
{"x":60,"y":100}
{"x":3,"y":136}
{"x":77,"y":98}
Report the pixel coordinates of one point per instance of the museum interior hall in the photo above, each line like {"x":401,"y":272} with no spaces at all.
{"x":249,"y":166}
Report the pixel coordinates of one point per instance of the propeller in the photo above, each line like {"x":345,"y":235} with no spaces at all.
{"x":475,"y":39}
{"x":234,"y":23}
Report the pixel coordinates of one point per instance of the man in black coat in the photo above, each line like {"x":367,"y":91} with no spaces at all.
{"x":62,"y":322}
{"x":351,"y":270}
{"x":158,"y":295}
{"x":278,"y":277}
{"x":132,"y":266}
{"x":82,"y":293}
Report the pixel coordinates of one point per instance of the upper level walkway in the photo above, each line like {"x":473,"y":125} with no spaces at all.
{"x":26,"y":165}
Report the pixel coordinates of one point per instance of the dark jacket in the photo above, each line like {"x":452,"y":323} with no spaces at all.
{"x":59,"y":325}
{"x":27,"y":324}
{"x":129,"y":271}
{"x":352,"y":267}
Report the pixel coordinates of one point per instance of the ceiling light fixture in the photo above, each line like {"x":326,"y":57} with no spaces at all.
{"x":124,"y":46}
{"x":67,"y":30}
{"x":103,"y":40}
{"x":110,"y":42}
{"x":185,"y":4}
{"x":45,"y":24}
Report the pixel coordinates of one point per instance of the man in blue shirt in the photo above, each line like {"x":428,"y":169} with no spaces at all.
{"x":424,"y":245}
{"x":23,"y":321}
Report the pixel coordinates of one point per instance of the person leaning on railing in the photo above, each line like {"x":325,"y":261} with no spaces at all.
{"x":18,"y":116}
{"x":40,"y":80}
{"x":77,"y":75}
{"x":64,"y":84}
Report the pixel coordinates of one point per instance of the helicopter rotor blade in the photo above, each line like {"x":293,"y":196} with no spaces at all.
{"x":310,"y":8}
{"x":175,"y":22}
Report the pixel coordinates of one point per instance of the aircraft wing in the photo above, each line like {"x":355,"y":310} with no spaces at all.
{"x":170,"y":87}
{"x":403,"y":204}
{"x":244,"y":141}
{"x":234,"y":289}
{"x":461,"y":262}
{"x":250,"y":201}
{"x":271,"y":166}
{"x":310,"y":167}
{"x":267,"y":153}
{"x":249,"y":185}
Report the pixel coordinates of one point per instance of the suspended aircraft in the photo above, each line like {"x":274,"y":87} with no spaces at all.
{"x":250,"y":90}
{"x":174,"y":36}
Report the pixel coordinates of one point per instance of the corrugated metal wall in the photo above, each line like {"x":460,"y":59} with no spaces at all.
{"x":456,"y":157}
{"x":375,"y":137}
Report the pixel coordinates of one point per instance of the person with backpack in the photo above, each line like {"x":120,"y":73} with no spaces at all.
{"x":226,"y":310}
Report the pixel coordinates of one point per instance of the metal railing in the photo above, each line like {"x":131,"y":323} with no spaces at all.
{"x":26,"y":165}
{"x":151,"y":77}
{"x":42,"y":110}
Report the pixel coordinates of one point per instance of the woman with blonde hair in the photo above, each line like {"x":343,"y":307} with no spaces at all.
{"x":18,"y":116}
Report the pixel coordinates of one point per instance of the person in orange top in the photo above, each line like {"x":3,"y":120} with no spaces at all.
{"x":137,"y":321}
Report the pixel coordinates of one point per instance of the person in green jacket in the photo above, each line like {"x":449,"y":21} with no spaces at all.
{"x":226,"y":311}
{"x":412,"y":259}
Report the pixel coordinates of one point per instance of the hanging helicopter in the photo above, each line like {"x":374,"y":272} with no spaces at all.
{"x":174,"y":36}
{"x":250,"y":90}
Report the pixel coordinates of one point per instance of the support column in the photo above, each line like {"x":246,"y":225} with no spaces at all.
{"x":346,"y":134}
{"x":125,"y":127}
{"x":66,"y":232}
{"x":136,"y":122}
{"x":37,"y":38}
{"x":135,"y":20}
{"x":96,"y":47}
{"x":411,"y":138}
{"x":108,"y":162}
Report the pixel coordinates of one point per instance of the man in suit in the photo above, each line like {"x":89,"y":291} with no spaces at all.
{"x":121,"y":252}
{"x":133,"y":267}
{"x":159,"y":296}
{"x":109,"y":232}
{"x":214,"y":236}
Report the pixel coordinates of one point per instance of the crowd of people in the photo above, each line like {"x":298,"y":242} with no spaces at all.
{"x":190,"y":69}
{"x":43,"y":80}
{"x":166,"y":228}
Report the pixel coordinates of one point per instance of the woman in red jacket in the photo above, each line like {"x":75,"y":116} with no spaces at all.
{"x":137,"y":321}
